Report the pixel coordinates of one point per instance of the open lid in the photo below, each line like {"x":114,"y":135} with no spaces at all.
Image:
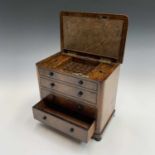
{"x":96,"y":34}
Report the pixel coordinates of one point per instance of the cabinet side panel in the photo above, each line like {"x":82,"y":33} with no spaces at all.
{"x":109,"y":98}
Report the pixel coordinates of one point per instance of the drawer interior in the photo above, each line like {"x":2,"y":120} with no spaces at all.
{"x":54,"y":105}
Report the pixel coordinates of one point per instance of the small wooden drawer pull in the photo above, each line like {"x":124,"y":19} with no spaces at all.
{"x":52,"y":84}
{"x":80,"y":107}
{"x":80,"y":93}
{"x":81,"y":82}
{"x":44,"y":117}
{"x":51,"y":73}
{"x":71,"y":129}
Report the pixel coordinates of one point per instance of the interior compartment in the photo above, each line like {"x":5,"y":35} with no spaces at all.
{"x":77,"y":65}
{"x":91,"y":69}
{"x":52,"y":105}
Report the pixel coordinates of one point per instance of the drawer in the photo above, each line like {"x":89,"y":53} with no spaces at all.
{"x":63,"y":120}
{"x":80,"y":94}
{"x":75,"y":106}
{"x":69,"y":79}
{"x":44,"y":92}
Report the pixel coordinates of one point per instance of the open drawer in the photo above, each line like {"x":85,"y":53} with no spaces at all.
{"x":76,"y":125}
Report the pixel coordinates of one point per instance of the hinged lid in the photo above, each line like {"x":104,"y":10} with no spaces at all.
{"x":96,"y":34}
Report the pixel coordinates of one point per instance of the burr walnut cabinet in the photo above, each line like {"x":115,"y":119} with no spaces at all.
{"x":78,"y":85}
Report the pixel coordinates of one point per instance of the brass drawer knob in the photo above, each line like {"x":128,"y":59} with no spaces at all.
{"x":71,"y":129}
{"x":52,"y":84}
{"x":80,"y":93}
{"x":80,"y":82}
{"x":51,"y":73}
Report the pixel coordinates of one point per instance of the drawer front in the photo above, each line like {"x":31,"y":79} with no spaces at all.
{"x":64,"y":126}
{"x":69,"y":79}
{"x":84,"y":109}
{"x":44,"y":92}
{"x":80,"y":94}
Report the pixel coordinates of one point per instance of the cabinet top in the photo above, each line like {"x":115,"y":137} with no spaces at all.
{"x":96,"y":34}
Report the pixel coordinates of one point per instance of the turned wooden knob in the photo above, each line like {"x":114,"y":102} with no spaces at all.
{"x":44,"y":117}
{"x":51,"y":74}
{"x":80,"y":82}
{"x":80,"y":93}
{"x":52,"y":84}
{"x":71,"y":129}
{"x":80,"y":107}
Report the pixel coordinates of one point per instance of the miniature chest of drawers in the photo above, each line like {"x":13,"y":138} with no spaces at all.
{"x":78,"y":85}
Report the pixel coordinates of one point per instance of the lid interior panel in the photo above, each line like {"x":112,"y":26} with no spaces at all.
{"x":95,"y":34}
